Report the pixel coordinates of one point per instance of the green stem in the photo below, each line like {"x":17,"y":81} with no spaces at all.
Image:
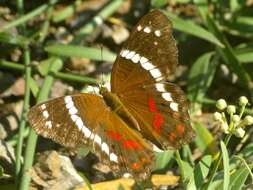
{"x":180,"y":164}
{"x":46,"y":24}
{"x":217,"y":163}
{"x":32,"y":138}
{"x":59,"y":75}
{"x":26,"y":17}
{"x":23,"y":116}
{"x":66,"y":12}
{"x":26,"y":54}
{"x":97,"y":20}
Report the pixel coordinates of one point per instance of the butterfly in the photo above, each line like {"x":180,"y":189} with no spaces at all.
{"x":140,"y":115}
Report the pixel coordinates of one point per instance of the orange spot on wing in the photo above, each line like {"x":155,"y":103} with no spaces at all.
{"x":172,"y":137}
{"x":113,"y":135}
{"x":151,"y":103}
{"x":131,"y":144}
{"x":180,"y":129}
{"x":158,"y":121}
{"x":144,"y":160}
{"x":136,"y":166}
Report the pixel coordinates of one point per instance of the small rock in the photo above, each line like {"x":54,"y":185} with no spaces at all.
{"x":55,"y":172}
{"x":7,"y":157}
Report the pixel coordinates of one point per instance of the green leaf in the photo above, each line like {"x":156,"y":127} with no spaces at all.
{"x":13,"y":39}
{"x":244,"y":53}
{"x":191,"y":28}
{"x":82,"y":52}
{"x":239,"y":26}
{"x":163,"y":158}
{"x":188,"y":170}
{"x":200,"y":77}
{"x":158,"y":3}
{"x":225,"y":165}
{"x":34,"y":87}
{"x":203,"y":8}
{"x":44,"y":65}
{"x":204,"y":139}
{"x":228,"y":55}
{"x":238,"y":178}
{"x":1,"y":171}
{"x":201,"y":170}
{"x":22,"y":19}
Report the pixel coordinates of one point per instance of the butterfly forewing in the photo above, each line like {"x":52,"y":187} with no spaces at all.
{"x":149,"y":54}
{"x":85,"y":120}
{"x":138,"y":76}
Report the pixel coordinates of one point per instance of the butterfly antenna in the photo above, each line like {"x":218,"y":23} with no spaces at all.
{"x":102,"y":59}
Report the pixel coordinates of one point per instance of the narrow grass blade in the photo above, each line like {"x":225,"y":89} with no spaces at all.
{"x":32,"y":138}
{"x":244,"y":53}
{"x":191,"y":28}
{"x":83,"y":52}
{"x":225,"y":158}
{"x":201,"y":170}
{"x":66,"y":12}
{"x":200,"y":77}
{"x":108,"y":10}
{"x":64,"y":76}
{"x":229,"y":57}
{"x":239,"y":178}
{"x":204,"y":139}
{"x":26,"y":17}
{"x":13,"y":39}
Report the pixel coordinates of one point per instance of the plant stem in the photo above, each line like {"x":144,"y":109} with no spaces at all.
{"x":180,"y":164}
{"x":32,"y":138}
{"x":60,"y":75}
{"x":45,"y":26}
{"x":97,"y":20}
{"x":217,"y":163}
{"x":24,"y":113}
{"x":26,"y":17}
{"x":26,"y":55}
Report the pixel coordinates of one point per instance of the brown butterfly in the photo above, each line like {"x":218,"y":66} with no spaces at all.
{"x":140,"y":115}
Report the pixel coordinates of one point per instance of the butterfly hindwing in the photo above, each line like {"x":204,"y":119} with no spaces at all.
{"x":162,"y":114}
{"x":85,"y":120}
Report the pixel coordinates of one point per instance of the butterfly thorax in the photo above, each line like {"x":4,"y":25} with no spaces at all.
{"x":112,"y":100}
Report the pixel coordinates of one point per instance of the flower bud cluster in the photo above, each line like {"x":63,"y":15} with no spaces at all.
{"x":236,"y":124}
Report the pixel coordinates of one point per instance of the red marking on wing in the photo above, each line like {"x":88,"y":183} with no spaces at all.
{"x":131,"y":144}
{"x":113,"y":135}
{"x":158,"y":121}
{"x":151,"y":103}
{"x":180,"y":129}
{"x":172,"y":137}
{"x":136,"y":166}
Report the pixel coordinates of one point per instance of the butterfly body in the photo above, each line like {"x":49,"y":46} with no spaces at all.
{"x":112,"y":100}
{"x":143,"y":113}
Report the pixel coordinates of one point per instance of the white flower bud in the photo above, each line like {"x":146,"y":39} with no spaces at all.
{"x":243,"y":101}
{"x":235,"y":118}
{"x":217,"y":116}
{"x":221,"y":104}
{"x":239,"y":132}
{"x":248,"y":120}
{"x":231,"y":109}
{"x":224,"y":128}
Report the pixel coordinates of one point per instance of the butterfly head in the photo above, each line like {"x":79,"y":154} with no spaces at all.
{"x":103,"y":90}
